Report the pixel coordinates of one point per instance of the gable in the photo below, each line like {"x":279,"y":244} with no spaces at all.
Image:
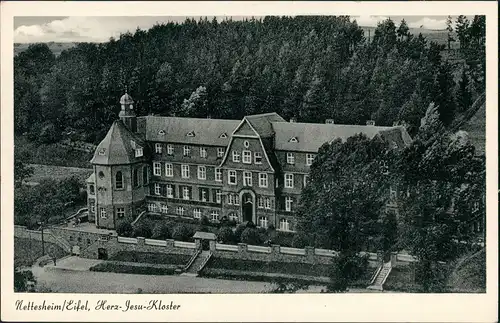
{"x":245,"y":129}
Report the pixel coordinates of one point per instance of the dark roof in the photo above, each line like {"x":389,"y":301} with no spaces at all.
{"x":311,"y":136}
{"x":118,"y":147}
{"x":176,"y":129}
{"x":204,"y":235}
{"x":476,"y":127}
{"x":262,"y":123}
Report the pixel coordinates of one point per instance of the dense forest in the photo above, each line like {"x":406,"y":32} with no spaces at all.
{"x":308,"y":68}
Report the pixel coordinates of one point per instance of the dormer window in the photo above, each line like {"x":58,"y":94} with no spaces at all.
{"x":293,"y":139}
{"x":161,"y":132}
{"x":190,"y":134}
{"x":223,"y":135}
{"x":102,"y":151}
{"x":138,"y":152}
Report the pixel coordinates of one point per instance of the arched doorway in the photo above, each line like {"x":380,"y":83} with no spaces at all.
{"x":247,"y":207}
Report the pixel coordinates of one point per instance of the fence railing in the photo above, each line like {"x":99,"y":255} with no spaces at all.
{"x":151,"y":242}
{"x":127,"y":240}
{"x":325,"y":252}
{"x":226,"y":247}
{"x":293,"y":251}
{"x":259,"y":249}
{"x":182,"y":244}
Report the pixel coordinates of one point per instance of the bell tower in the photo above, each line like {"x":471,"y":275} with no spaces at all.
{"x":127,"y":114}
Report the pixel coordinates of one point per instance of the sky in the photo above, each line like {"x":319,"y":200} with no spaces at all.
{"x":100,"y":29}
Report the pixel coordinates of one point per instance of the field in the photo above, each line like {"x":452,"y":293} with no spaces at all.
{"x":41,"y":172}
{"x":26,"y":251}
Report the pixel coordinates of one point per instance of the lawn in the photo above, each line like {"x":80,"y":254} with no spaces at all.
{"x":151,"y":258}
{"x":41,"y":172}
{"x":26,"y":251}
{"x":124,"y":269}
{"x":270,"y":267}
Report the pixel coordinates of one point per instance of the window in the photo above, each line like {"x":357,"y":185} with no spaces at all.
{"x":236,"y":156}
{"x":185,"y":171}
{"x":119,"y":180}
{"x":152,"y":207}
{"x":260,"y":203}
{"x":170,"y":191}
{"x":101,"y":174}
{"x":288,"y":180}
{"x":231,"y":178}
{"x":293,"y":139}
{"x":145,"y":175}
{"x":257,"y":157}
{"x":309,"y":159}
{"x":187,"y":151}
{"x":161,"y":132}
{"x":157,"y":189}
{"x":223,"y":135}
{"x":218,"y":196}
{"x":164,"y":208}
{"x":220,"y":152}
{"x":214,"y":215}
{"x":102,"y":152}
{"x":262,"y":180}
{"x":190,"y":134}
{"x":157,"y":169}
{"x":288,"y":203}
{"x":169,"y":170}
{"x":236,"y":199}
{"x":233,"y":199}
{"x":202,"y":172}
{"x":88,"y":241}
{"x":268,"y":203}
{"x":284,"y":225}
{"x":103,"y":213}
{"x":180,"y":210}
{"x":92,"y":207}
{"x":92,"y":189}
{"x":170,"y":149}
{"x":306,"y":179}
{"x":136,"y":177}
{"x":158,"y":148}
{"x":247,"y":156}
{"x":218,"y":175}
{"x":247,"y":178}
{"x":203,"y":152}
{"x":197,"y":213}
{"x":203,"y":195}
{"x":263,"y":222}
{"x":290,"y":158}
{"x":233,"y":216}
{"x":246,"y":144}
{"x":120,"y":212}
{"x":138,"y":152}
{"x":186,"y":193}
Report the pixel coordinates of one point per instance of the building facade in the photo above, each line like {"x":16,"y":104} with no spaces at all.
{"x":243,"y":170}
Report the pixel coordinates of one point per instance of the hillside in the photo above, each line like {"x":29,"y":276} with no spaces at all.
{"x":469,"y":275}
{"x":474,"y":123}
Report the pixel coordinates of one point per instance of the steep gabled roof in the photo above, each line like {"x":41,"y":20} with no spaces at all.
{"x":310,"y":136}
{"x":177,"y":130}
{"x":262,"y":123}
{"x":118,"y":147}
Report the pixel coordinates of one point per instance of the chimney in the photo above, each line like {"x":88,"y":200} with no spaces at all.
{"x":370,"y":122}
{"x":292,"y":120}
{"x":329,"y":121}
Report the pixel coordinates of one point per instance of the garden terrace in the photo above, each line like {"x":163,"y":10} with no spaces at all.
{"x":151,"y":258}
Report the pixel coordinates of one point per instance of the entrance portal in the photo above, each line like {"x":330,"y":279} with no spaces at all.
{"x":102,"y":253}
{"x":247,"y":207}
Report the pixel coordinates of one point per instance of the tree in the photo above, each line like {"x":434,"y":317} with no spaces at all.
{"x":462,"y":27}
{"x":464,"y":96}
{"x":313,"y":102}
{"x":225,"y":235}
{"x":403,"y":30}
{"x":143,"y":229}
{"x":124,"y":229}
{"x":23,"y":280}
{"x":443,"y":96}
{"x":161,"y":231}
{"x":196,"y":105}
{"x":346,"y":268}
{"x":449,"y":28}
{"x":182,"y":233}
{"x":251,"y":236}
{"x":389,"y":231}
{"x":21,"y":171}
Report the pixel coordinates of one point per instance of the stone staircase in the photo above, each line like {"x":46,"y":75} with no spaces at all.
{"x":378,"y":281}
{"x":61,"y":242}
{"x":197,"y":265}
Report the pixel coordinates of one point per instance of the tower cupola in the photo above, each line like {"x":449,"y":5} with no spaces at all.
{"x":127,"y":113}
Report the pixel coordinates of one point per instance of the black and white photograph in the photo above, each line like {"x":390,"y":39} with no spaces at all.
{"x":248,"y":154}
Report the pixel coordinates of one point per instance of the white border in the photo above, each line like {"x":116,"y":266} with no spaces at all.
{"x":239,"y":307}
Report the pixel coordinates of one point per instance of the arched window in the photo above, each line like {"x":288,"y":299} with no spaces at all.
{"x":92,"y":189}
{"x":145,"y":178}
{"x":119,"y":180}
{"x":136,"y":177}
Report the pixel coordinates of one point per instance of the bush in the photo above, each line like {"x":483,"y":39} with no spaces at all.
{"x":182,"y":233}
{"x":239,"y":230}
{"x":299,"y":241}
{"x":124,"y":229}
{"x":251,"y":236}
{"x":161,"y":231}
{"x":204,"y":221}
{"x":225,"y":235}
{"x":346,"y":269}
{"x":143,"y":229}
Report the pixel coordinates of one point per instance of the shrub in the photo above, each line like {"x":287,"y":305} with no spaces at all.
{"x":225,"y":235}
{"x":182,"y":233}
{"x":299,"y":241}
{"x":204,"y":221}
{"x":346,"y":269}
{"x":161,"y":231}
{"x":124,"y":229}
{"x":237,"y":233}
{"x":143,"y":229}
{"x":251,"y":236}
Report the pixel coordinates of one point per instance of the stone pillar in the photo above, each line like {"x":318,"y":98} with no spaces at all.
{"x":141,"y":241}
{"x":310,"y":254}
{"x":394,"y":259}
{"x":212,"y":246}
{"x":170,"y":244}
{"x":242,"y":250}
{"x":275,"y":252}
{"x":380,"y":257}
{"x":197,"y":243}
